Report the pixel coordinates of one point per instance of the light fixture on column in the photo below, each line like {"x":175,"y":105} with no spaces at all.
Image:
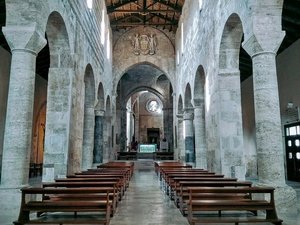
{"x":290,"y":105}
{"x":89,"y":4}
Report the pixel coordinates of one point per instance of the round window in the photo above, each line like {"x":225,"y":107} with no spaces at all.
{"x":153,"y":106}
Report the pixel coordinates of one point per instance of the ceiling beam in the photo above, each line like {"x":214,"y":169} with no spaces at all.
{"x":113,"y":7}
{"x":144,"y":11}
{"x":166,"y":18}
{"x":172,"y":6}
{"x":141,"y":24}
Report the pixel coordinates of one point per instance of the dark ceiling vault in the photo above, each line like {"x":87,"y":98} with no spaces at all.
{"x":158,"y":13}
{"x":165,"y":14}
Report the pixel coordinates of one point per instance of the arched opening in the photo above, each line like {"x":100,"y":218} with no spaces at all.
{"x":230,"y":141}
{"x":89,"y":118}
{"x":99,"y":122}
{"x":199,"y":118}
{"x":179,"y":130}
{"x":108,"y":154}
{"x":145,"y":108}
{"x":57,"y":136}
{"x":188,"y":117}
{"x":39,"y":112}
{"x":287,"y":63}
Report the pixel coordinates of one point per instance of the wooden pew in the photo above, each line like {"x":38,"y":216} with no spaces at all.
{"x":182,"y":187}
{"x":92,"y":204}
{"x":118,"y":165}
{"x":213,"y":200}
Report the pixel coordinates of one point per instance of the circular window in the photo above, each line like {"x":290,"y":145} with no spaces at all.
{"x":153,"y":106}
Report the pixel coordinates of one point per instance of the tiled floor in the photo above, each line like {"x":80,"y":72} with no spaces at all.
{"x":145,"y":203}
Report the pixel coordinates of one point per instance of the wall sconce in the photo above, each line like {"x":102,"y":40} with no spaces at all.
{"x":290,"y":105}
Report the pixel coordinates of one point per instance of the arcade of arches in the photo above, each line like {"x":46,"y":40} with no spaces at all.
{"x":220,"y":85}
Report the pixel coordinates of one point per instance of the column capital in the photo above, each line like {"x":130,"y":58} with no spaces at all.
{"x":99,"y":112}
{"x":179,"y":116}
{"x":262,"y":43}
{"x":198,"y":103}
{"x":188,"y":116}
{"x":24,"y":38}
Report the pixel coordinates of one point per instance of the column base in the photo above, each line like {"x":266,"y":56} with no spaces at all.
{"x":238,"y":172}
{"x":10,"y":198}
{"x":286,"y":201}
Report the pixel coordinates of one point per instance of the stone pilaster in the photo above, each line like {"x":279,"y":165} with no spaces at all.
{"x":57,"y":123}
{"x":231,"y":129}
{"x":98,"y":137}
{"x":200,"y":140}
{"x":269,"y":144}
{"x":25,"y":43}
{"x":88,"y":138}
{"x":188,"y":117}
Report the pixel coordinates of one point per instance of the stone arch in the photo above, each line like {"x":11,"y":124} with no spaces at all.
{"x":188,"y":97}
{"x":231,"y":142}
{"x":199,"y":118}
{"x":132,"y":65}
{"x":58,"y":101}
{"x":231,"y":42}
{"x":58,"y":40}
{"x":89,"y":118}
{"x":125,"y":58}
{"x":199,"y":84}
{"x":180,"y":105}
{"x":99,"y":122}
{"x":100,"y":97}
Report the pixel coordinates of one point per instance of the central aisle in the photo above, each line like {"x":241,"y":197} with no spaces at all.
{"x":145,"y":203}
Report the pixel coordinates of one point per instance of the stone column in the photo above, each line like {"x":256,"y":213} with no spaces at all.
{"x":107,"y":139}
{"x":269,"y":144}
{"x":200,"y":140}
{"x":181,"y":146}
{"x":98,"y":137}
{"x":189,"y":135}
{"x":88,"y":138}
{"x":123,"y":140}
{"x":25,"y":43}
{"x":168,"y":126}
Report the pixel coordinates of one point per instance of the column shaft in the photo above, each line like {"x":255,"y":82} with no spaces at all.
{"x":18,"y":128}
{"x":267,"y":119}
{"x":88,"y":138}
{"x":181,"y":145}
{"x":189,"y":137}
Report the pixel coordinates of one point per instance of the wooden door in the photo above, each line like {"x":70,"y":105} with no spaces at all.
{"x":292,"y":146}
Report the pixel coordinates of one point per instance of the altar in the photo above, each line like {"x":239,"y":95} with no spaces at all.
{"x":146,"y":151}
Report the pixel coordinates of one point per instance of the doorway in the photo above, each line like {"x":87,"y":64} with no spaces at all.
{"x":292,"y":146}
{"x":153,"y":135}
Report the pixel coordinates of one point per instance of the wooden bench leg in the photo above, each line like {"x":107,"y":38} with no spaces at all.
{"x":23,"y":218}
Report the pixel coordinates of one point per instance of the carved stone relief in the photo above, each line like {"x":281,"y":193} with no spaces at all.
{"x":144,"y":44}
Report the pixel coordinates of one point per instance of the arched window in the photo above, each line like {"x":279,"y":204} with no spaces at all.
{"x":89,"y":4}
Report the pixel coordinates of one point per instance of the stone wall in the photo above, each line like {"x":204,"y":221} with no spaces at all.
{"x":124,"y":57}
